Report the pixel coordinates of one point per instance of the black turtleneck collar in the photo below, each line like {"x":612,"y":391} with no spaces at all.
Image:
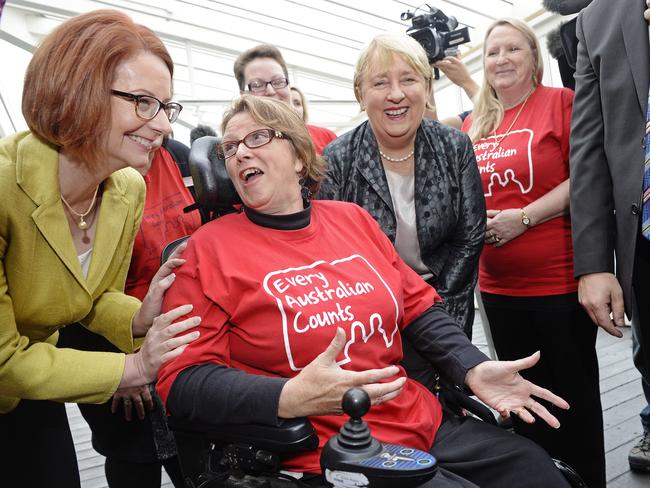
{"x":294,"y":221}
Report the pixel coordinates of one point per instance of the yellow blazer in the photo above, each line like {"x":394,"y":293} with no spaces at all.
{"x":42,"y":287}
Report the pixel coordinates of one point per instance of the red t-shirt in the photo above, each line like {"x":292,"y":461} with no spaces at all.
{"x":270,"y":301}
{"x":163,"y":221}
{"x":528,"y":163}
{"x":321,"y":137}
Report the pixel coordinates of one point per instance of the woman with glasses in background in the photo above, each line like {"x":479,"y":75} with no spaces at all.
{"x":261,"y":71}
{"x":96,"y":100}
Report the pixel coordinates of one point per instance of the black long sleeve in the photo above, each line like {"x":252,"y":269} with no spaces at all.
{"x":437,"y":337}
{"x":218,"y":394}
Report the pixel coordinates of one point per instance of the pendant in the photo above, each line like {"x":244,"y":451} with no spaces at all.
{"x":83,"y":225}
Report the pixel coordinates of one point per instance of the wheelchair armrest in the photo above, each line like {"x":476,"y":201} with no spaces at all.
{"x":169,"y":249}
{"x":291,"y":436}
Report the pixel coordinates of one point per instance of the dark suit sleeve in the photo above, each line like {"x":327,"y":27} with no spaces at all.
{"x":592,"y":201}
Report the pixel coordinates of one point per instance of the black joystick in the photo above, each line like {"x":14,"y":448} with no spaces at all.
{"x":354,"y":440}
{"x":353,"y":458}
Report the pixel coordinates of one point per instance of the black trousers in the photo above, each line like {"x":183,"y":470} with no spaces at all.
{"x":472,"y":454}
{"x":37,"y":448}
{"x":475,"y":454}
{"x":563,"y":332}
{"x":130,"y":447}
{"x":641,"y":317}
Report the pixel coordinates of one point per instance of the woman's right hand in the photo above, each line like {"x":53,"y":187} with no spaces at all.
{"x":161,"y":344}
{"x":318,"y":389}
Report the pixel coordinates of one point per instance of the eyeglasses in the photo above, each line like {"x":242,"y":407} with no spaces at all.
{"x":147,"y":107}
{"x":257,"y":138}
{"x":258,"y":85}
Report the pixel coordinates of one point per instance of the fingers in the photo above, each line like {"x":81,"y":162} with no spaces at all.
{"x":115,"y":403}
{"x":492,"y":213}
{"x":128,"y":407}
{"x":178,"y":251}
{"x":383,"y":392}
{"x":603,"y":319}
{"x":374,"y":375}
{"x":164,"y":319}
{"x":524,"y":415}
{"x":526,"y":363}
{"x":618,"y":308}
{"x":550,"y":397}
{"x":147,"y":399}
{"x":139,"y":407}
{"x":335,"y":347}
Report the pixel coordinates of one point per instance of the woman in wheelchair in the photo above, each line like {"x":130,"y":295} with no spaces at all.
{"x":301,"y":300}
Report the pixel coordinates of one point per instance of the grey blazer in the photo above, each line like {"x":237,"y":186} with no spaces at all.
{"x":607,"y":152}
{"x":449,"y":203}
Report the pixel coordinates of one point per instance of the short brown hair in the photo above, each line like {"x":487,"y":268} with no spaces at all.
{"x":279,"y":116}
{"x":261,"y":51}
{"x":68,"y":81}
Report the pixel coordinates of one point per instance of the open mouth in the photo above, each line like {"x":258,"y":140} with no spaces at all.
{"x":395,"y":113}
{"x":250,"y":173}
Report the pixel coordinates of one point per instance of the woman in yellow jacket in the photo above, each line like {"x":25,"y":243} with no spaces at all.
{"x":96,"y":100}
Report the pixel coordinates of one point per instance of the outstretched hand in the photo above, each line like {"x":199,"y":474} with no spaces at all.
{"x":318,"y":389}
{"x":499,"y":385}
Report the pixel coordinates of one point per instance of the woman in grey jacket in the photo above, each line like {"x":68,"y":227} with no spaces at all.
{"x":419,"y":179}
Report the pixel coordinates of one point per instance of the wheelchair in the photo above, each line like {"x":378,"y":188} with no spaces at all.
{"x":250,"y":456}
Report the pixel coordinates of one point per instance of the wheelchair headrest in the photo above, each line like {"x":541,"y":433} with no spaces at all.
{"x":215,"y":192}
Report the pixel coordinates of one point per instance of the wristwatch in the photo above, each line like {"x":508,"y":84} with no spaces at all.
{"x":524,"y":218}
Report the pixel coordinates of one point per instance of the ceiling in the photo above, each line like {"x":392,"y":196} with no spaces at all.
{"x":320,"y":40}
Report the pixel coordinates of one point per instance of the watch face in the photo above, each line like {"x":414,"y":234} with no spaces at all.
{"x":525,"y":220}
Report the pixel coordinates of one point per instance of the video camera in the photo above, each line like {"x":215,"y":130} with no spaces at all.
{"x":436,"y":33}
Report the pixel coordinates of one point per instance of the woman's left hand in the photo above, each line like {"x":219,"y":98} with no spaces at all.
{"x":137,"y":396}
{"x":152,"y":303}
{"x":499,"y":385}
{"x":503,"y":226}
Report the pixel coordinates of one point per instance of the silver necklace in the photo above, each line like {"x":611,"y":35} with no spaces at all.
{"x":397,"y":160}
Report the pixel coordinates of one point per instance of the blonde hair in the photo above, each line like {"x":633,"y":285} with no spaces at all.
{"x":379,"y":55}
{"x":281,"y":117}
{"x":303,"y":100}
{"x":488,"y":110}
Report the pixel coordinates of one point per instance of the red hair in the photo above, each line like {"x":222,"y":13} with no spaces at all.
{"x":67,"y":91}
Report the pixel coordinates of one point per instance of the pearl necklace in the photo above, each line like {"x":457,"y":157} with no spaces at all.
{"x":397,"y":160}
{"x":82,"y":224}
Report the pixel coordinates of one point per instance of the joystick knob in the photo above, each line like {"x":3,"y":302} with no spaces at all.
{"x":356,"y":403}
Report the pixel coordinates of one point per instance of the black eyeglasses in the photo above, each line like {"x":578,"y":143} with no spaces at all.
{"x":258,"y":85}
{"x":257,"y":138}
{"x":147,"y":107}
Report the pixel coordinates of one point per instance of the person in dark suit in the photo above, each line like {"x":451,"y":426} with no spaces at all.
{"x":608,"y":144}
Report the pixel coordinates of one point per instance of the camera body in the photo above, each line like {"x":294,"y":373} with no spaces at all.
{"x":436,"y":33}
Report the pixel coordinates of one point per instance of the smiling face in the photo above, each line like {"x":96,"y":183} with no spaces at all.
{"x":267,"y":69}
{"x":266,"y":177}
{"x":394,"y":98}
{"x":132,"y":140}
{"x":509,"y":62}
